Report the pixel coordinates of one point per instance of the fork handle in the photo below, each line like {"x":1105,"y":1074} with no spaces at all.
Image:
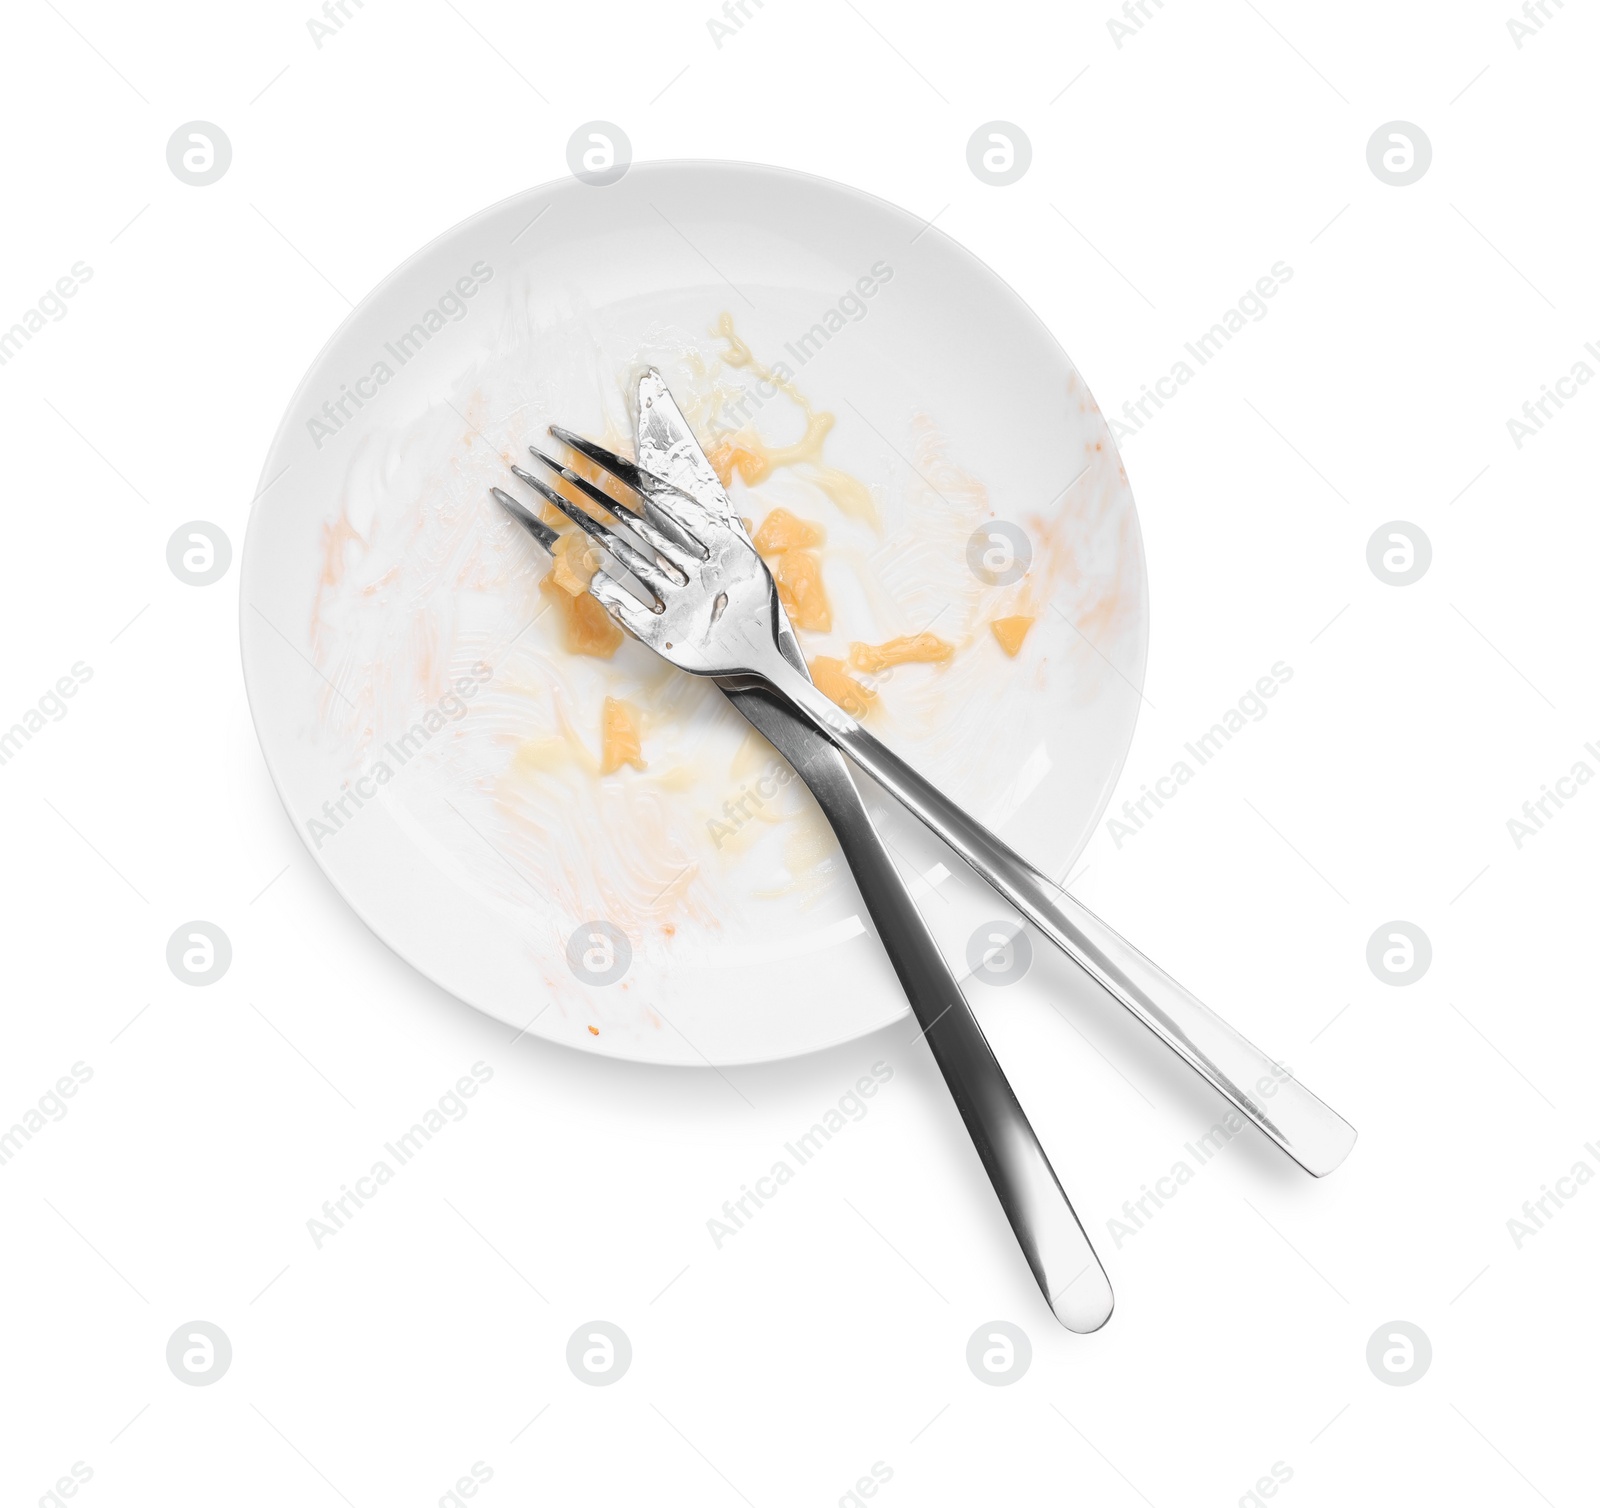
{"x":1046,"y":1226}
{"x":1263,"y":1091}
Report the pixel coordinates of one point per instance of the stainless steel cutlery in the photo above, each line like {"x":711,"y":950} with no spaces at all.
{"x":1052,"y":1238}
{"x":682,"y":576}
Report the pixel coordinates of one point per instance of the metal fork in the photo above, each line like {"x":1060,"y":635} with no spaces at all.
{"x":1052,"y":1238}
{"x":710,"y":607}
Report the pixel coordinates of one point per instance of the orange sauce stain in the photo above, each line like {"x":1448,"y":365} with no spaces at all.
{"x":335,"y":538}
{"x":753,"y":459}
{"x":1098,"y":618}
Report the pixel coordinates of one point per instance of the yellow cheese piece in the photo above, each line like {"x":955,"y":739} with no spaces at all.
{"x":619,"y":736}
{"x":575,"y":562}
{"x":837,"y":684}
{"x":780,"y":530}
{"x":1011,"y":632}
{"x":799,"y":577}
{"x":918,"y":649}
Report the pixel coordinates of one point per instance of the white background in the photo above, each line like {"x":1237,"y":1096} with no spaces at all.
{"x":1167,"y":176}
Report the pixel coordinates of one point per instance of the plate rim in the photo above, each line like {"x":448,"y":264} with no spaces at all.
{"x":599,"y":1046}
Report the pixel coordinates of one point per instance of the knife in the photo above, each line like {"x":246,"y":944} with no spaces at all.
{"x":1051,"y":1236}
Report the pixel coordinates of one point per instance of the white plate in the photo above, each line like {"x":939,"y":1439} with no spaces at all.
{"x":437,"y":750}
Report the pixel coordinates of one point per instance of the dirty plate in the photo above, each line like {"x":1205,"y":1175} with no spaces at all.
{"x":440,"y":719}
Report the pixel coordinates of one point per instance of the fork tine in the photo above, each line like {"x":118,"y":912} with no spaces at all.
{"x":537,"y":527}
{"x":585,"y":521}
{"x":623,"y":470}
{"x":649,"y":488}
{"x":647,"y":572}
{"x":647,"y":530}
{"x":622,"y":512}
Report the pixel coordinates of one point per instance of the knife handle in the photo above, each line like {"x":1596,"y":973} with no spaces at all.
{"x":1047,"y":1228}
{"x":1263,"y":1090}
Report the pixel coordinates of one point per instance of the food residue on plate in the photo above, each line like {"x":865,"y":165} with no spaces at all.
{"x":788,"y":545}
{"x":780,"y":530}
{"x":910,"y":649}
{"x":755,"y":460}
{"x":794,"y":548}
{"x":798,"y":574}
{"x":619,"y":736}
{"x":589,"y":628}
{"x":1011,"y":632}
{"x":839,"y":686}
{"x":689,"y":844}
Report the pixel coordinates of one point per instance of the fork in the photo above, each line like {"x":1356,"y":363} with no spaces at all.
{"x":1052,"y":1238}
{"x":708,"y":604}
